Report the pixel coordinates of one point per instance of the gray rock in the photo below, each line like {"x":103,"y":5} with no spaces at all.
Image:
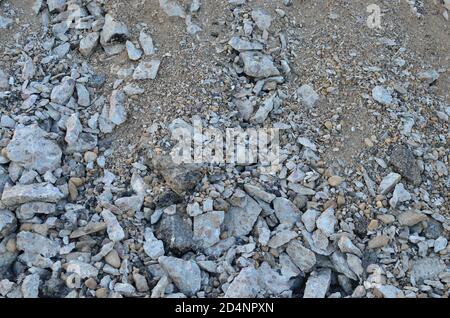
{"x":146,"y":70}
{"x":346,"y":245}
{"x":63,"y":92}
{"x":281,"y":237}
{"x":7,"y":122}
{"x":185,"y":274}
{"x":153,"y":247}
{"x":191,"y":27}
{"x":239,"y":221}
{"x":304,"y":258}
{"x":61,"y":50}
{"x":131,"y":203}
{"x":89,"y":43}
{"x":33,"y":243}
{"x":176,"y":233}
{"x":240,"y":44}
{"x":125,"y":289}
{"x":207,"y":228}
{"x":245,"y":108}
{"x":427,"y":268}
{"x":309,"y":219}
{"x":113,"y":31}
{"x":381,"y":95}
{"x":85,"y":142}
{"x":115,"y":231}
{"x":134,"y":53}
{"x":180,"y":178}
{"x":30,"y":286}
{"x":83,"y":96}
{"x":258,"y":65}
{"x":264,"y":110}
{"x":355,"y":265}
{"x":259,"y":193}
{"x":117,"y":112}
{"x":286,"y":211}
{"x":389,"y":291}
{"x":388,"y":183}
{"x":172,"y":8}
{"x":20,"y":194}
{"x":5,"y":22}
{"x":262,"y":18}
{"x":146,"y":42}
{"x":318,"y":284}
{"x":56,"y":5}
{"x":327,"y":222}
{"x":400,"y":195}
{"x":271,"y":281}
{"x":245,"y":285}
{"x":403,"y":161}
{"x":440,"y":244}
{"x":4,"y":178}
{"x":307,"y":95}
{"x":340,"y":265}
{"x":73,"y":129}
{"x":82,"y":269}
{"x":30,"y":149}
{"x":8,"y":223}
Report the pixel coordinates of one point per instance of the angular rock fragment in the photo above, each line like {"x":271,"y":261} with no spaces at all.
{"x":239,"y":221}
{"x":20,"y":194}
{"x":146,"y":70}
{"x":207,"y":228}
{"x":318,"y":284}
{"x":184,"y":274}
{"x":258,"y":65}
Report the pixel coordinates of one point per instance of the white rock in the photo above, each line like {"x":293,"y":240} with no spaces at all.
{"x":327,"y":222}
{"x":304,"y":258}
{"x":146,"y":70}
{"x":258,"y":65}
{"x":262,"y":18}
{"x":381,"y":95}
{"x":134,"y":53}
{"x":400,"y":195}
{"x":388,"y":183}
{"x":185,"y":274}
{"x":153,"y":247}
{"x":245,"y":285}
{"x":62,"y":93}
{"x":73,"y":129}
{"x":207,"y":228}
{"x":146,"y":42}
{"x":309,"y":219}
{"x":286,"y":211}
{"x":19,"y":194}
{"x":115,"y":231}
{"x":89,"y":43}
{"x":117,"y":112}
{"x":113,"y":31}
{"x":83,"y":96}
{"x":82,"y":269}
{"x":172,"y":8}
{"x":30,"y":286}
{"x":440,"y":244}
{"x":318,"y":284}
{"x":307,"y":95}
